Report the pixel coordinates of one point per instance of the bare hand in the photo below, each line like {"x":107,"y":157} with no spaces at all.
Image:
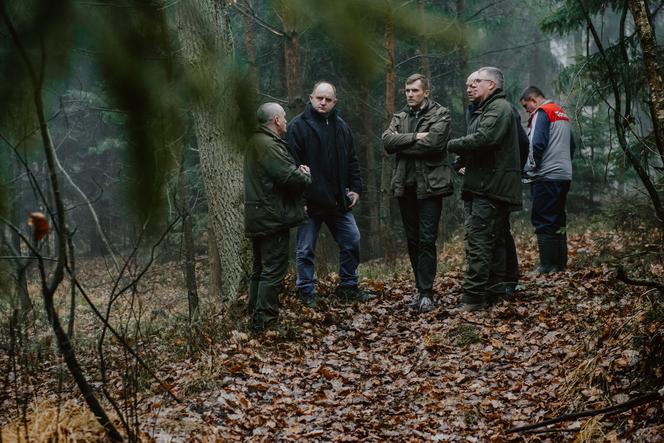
{"x":462,"y":171}
{"x":305,"y":169}
{"x":421,"y":135}
{"x":354,"y":198}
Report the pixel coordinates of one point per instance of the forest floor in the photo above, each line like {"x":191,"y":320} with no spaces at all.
{"x":378,"y":371}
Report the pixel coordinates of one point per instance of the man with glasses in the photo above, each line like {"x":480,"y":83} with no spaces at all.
{"x":491,"y":186}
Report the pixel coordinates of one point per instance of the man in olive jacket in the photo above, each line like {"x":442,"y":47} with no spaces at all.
{"x":491,"y":185}
{"x":421,"y":178}
{"x":274,"y":203}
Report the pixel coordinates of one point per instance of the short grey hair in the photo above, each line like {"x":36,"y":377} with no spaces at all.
{"x":268,"y":111}
{"x":494,"y":74}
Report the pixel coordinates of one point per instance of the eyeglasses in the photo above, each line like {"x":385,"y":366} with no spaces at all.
{"x":478,"y":80}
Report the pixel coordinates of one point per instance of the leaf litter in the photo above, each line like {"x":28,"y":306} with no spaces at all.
{"x":379,"y":371}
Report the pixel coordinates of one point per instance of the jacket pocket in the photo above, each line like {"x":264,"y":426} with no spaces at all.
{"x":437,"y":173}
{"x":258,"y":219}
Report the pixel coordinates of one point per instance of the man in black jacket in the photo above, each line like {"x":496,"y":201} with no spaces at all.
{"x":320,"y":139}
{"x":273,"y":188}
{"x":421,"y":178}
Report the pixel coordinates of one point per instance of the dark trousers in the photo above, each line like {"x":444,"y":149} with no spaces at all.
{"x":420,"y":221}
{"x":511,"y":258}
{"x":484,"y":242}
{"x":549,"y":199}
{"x":270,"y":264}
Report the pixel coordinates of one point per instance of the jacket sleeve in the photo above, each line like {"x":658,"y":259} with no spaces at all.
{"x":524,"y":142}
{"x":540,"y":137}
{"x":281,"y":169}
{"x":354,"y":177}
{"x":393,"y":140}
{"x":436,"y":139}
{"x":494,"y":123}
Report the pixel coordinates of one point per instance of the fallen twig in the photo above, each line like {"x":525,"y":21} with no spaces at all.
{"x":611,"y":410}
{"x":623,"y":277}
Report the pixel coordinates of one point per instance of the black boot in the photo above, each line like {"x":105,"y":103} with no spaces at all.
{"x":563,"y":252}
{"x":266,"y":313}
{"x":548,"y":253}
{"x":253,"y":295}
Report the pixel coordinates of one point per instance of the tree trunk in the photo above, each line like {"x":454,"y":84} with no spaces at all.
{"x":215,"y":277}
{"x":250,"y":45}
{"x":188,"y":236}
{"x":292,"y":65}
{"x":204,"y":34}
{"x":386,"y":166}
{"x":424,"y":45}
{"x":653,"y":69}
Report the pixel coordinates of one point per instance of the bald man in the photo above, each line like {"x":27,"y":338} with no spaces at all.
{"x":274,"y":203}
{"x":320,"y":139}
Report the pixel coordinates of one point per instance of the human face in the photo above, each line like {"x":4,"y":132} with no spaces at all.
{"x":530,"y":104}
{"x":471,"y":87}
{"x":323,"y":98}
{"x":485,"y":87}
{"x":280,"y":123}
{"x":416,"y":94}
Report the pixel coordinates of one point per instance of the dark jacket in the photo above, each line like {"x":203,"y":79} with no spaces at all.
{"x":429,"y":155}
{"x":491,"y":152}
{"x":273,"y":186}
{"x":307,"y":134}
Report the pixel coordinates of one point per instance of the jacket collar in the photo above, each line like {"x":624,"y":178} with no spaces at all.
{"x":274,"y":135}
{"x":312,"y":115}
{"x":427,"y":106}
{"x":498,"y":93}
{"x":532,"y":114}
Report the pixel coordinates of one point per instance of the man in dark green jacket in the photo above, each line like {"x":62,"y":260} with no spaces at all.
{"x":421,"y":178}
{"x":491,"y":185}
{"x":274,"y":203}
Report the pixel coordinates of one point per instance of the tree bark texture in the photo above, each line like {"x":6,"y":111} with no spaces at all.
{"x":205,"y":37}
{"x":653,"y":69}
{"x":214,"y":283}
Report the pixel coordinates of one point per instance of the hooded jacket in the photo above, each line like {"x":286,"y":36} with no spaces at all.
{"x":325,"y":144}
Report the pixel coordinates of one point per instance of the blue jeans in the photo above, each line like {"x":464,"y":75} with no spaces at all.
{"x":344,"y":230}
